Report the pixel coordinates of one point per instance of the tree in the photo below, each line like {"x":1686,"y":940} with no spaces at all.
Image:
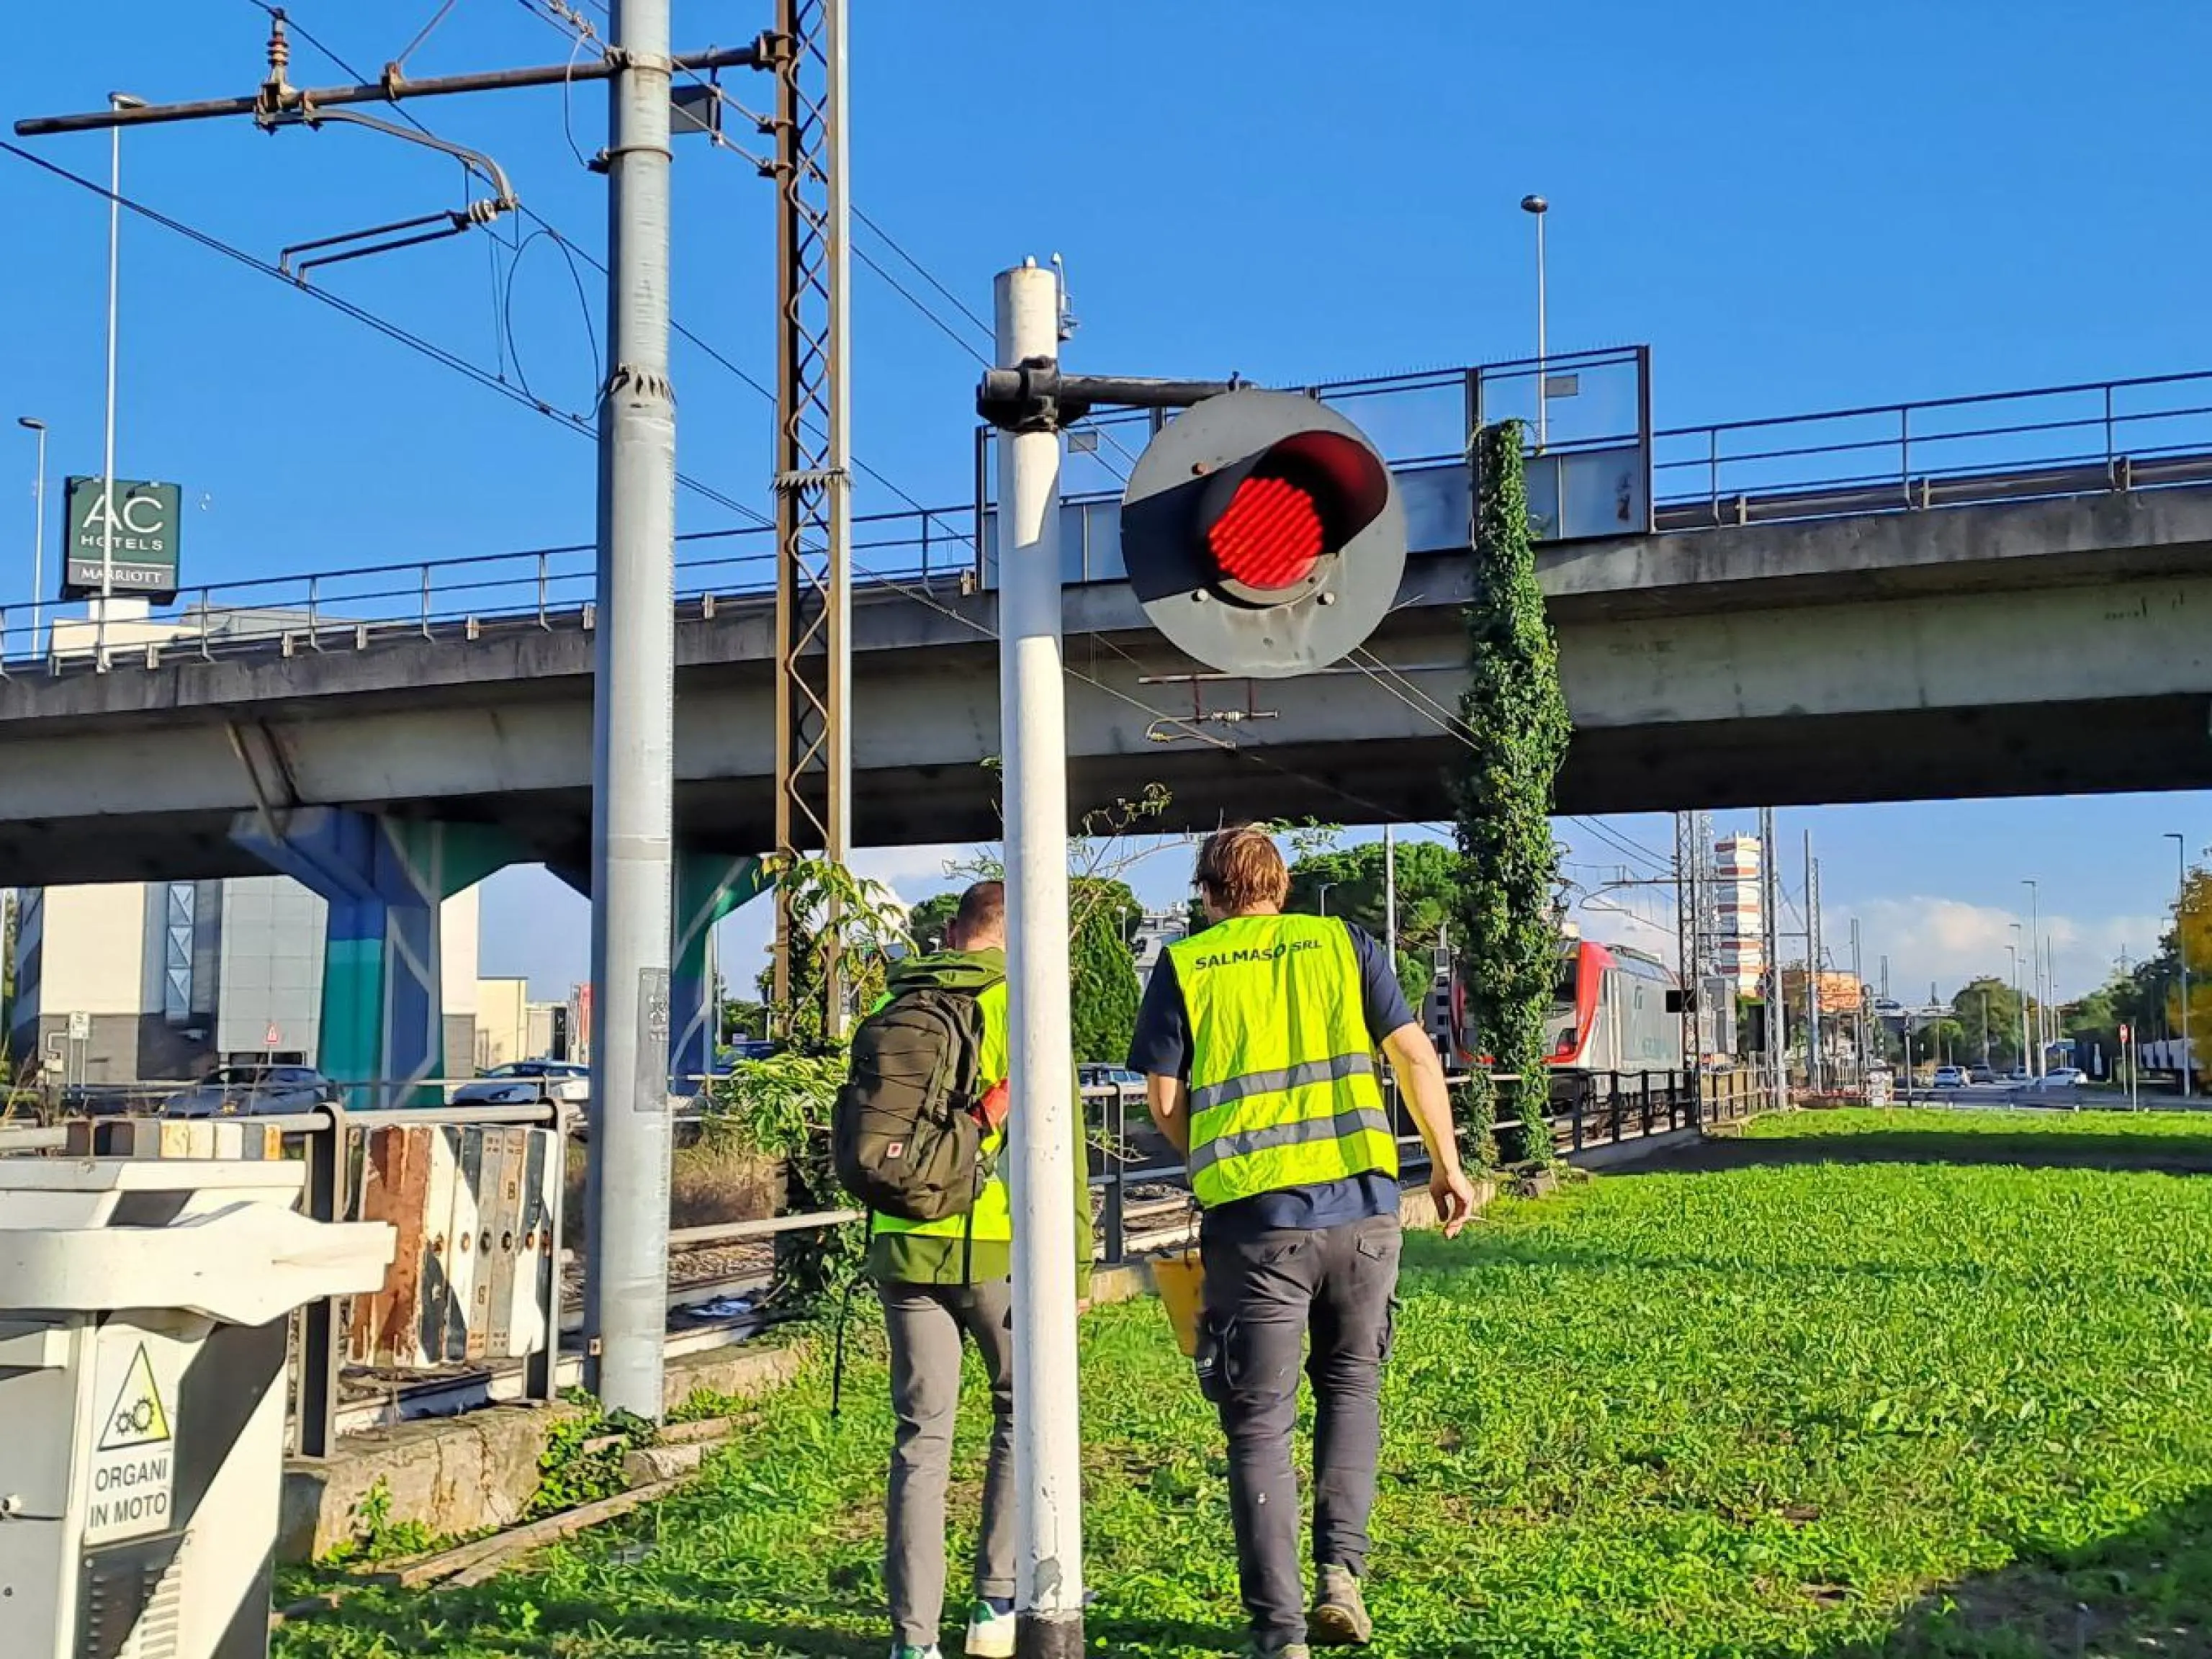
{"x":1429,"y":875}
{"x":1517,"y":727}
{"x":1988,"y":1001}
{"x":1104,"y":991}
{"x":928,"y":922}
{"x":747,"y":1020}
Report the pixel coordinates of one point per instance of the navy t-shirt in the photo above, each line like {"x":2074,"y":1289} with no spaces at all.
{"x":1161,"y":1048}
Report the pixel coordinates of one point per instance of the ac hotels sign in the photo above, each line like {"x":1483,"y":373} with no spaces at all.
{"x":140,"y":538}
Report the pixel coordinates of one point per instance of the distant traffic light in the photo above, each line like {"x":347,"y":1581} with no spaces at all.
{"x":1263,"y":534}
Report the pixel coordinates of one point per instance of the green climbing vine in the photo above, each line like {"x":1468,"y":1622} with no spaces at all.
{"x":1517,"y":720}
{"x":780,"y":1106}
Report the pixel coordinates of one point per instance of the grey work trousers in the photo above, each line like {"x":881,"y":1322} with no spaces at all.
{"x":1264,"y":1292}
{"x":925,"y":1322}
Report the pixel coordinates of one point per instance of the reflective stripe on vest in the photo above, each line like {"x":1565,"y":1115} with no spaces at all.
{"x":1283,"y":1089}
{"x":992,"y":1216}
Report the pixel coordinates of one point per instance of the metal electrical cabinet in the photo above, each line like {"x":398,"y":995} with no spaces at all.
{"x":477,"y":1213}
{"x":143,"y":1336}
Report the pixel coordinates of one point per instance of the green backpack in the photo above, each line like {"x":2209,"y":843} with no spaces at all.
{"x":904,"y":1135}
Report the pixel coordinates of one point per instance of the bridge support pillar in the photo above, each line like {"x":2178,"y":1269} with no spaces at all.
{"x":385,"y":880}
{"x":709,"y":887}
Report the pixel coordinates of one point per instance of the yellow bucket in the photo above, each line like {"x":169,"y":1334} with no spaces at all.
{"x":1181,"y":1281}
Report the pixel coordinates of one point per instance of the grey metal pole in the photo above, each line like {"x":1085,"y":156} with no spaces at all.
{"x":115,"y":100}
{"x":37,"y":533}
{"x":1390,"y":896}
{"x":1858,"y":1025}
{"x":1770,"y":904}
{"x":1033,"y":737}
{"x":1539,"y":207}
{"x":2181,"y":950}
{"x":1811,"y":968}
{"x":633,"y":759}
{"x":2035,"y":971}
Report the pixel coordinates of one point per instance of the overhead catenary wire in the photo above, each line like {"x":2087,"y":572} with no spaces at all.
{"x":570,"y":246}
{"x":444,"y":356}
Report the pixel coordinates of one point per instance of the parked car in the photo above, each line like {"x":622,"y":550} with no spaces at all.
{"x":1950,"y":1076}
{"x":2019,"y":1074}
{"x":1980,"y":1074}
{"x":253,"y":1091}
{"x":528,"y":1082}
{"x":1103,"y":1076}
{"x":2060,"y":1077}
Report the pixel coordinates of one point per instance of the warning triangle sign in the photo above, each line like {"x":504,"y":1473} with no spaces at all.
{"x":137,"y":1418}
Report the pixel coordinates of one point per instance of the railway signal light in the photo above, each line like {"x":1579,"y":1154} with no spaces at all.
{"x":1263,"y":534}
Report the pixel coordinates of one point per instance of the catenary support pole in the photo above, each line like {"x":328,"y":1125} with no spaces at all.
{"x":1033,"y":737}
{"x":1390,"y":894}
{"x":1770,"y":905}
{"x":1813,"y":1067}
{"x":2188,"y":1067}
{"x":634,"y":740}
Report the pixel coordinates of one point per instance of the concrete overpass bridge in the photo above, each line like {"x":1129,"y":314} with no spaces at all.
{"x":2016,"y":608}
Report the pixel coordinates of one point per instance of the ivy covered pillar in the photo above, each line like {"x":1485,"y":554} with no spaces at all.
{"x":385,"y":880}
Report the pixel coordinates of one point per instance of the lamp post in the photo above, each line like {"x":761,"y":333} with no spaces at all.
{"x":1536,"y":207}
{"x":1325,"y":887}
{"x":37,"y":533}
{"x":2181,"y":950}
{"x":2013,"y":951}
{"x":115,"y":100}
{"x":2035,"y":969}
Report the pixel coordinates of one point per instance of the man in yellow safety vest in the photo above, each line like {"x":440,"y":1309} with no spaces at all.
{"x":940,"y":1280}
{"x":1258,"y":1037}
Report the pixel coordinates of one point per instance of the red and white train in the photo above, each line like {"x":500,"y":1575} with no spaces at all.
{"x":1609,"y":1012}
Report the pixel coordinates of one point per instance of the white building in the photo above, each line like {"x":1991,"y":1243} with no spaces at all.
{"x":1740,"y":915}
{"x":156,"y":980}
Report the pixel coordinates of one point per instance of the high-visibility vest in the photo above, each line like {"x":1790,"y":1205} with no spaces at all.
{"x":1283,"y":1089}
{"x":992,"y":1215}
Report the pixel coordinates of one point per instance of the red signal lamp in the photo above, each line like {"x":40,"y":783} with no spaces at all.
{"x":1270,"y":521}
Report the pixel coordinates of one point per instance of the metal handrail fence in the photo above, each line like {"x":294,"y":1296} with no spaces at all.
{"x":2091,"y":437}
{"x":1420,"y":420}
{"x":1594,"y":1110}
{"x":2086,"y":438}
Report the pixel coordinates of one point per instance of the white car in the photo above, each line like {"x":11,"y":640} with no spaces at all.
{"x":528,"y":1082}
{"x":253,"y":1091}
{"x":2060,"y":1077}
{"x":1950,"y":1076}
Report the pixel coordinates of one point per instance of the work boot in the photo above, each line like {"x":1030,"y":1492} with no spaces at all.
{"x":990,"y":1630}
{"x":1256,"y":1649}
{"x":1340,"y":1616}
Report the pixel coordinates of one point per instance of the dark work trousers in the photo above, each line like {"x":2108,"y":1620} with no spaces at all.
{"x":925,"y":1322}
{"x":1264,"y":1292}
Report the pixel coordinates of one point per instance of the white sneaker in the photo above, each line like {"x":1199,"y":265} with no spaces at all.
{"x":907,"y":1651}
{"x":990,"y":1635}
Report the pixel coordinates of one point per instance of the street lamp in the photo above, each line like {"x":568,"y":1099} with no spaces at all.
{"x":1536,"y":207}
{"x":1325,"y":887}
{"x":2035,"y":967}
{"x":2181,"y":950}
{"x":2013,"y":951}
{"x":115,"y":100}
{"x":37,"y":533}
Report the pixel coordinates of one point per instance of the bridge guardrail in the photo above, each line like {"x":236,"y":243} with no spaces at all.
{"x":2083,"y":439}
{"x":2089,"y":438}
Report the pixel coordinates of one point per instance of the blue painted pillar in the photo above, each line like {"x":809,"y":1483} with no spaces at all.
{"x":708,"y":886}
{"x":383,"y":1003}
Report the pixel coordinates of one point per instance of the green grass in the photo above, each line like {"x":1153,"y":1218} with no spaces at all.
{"x":1840,"y":1408}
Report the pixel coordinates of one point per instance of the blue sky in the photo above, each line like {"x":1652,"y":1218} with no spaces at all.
{"x":1797,"y":208}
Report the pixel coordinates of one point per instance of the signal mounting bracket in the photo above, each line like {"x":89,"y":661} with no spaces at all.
{"x":1036,"y":396}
